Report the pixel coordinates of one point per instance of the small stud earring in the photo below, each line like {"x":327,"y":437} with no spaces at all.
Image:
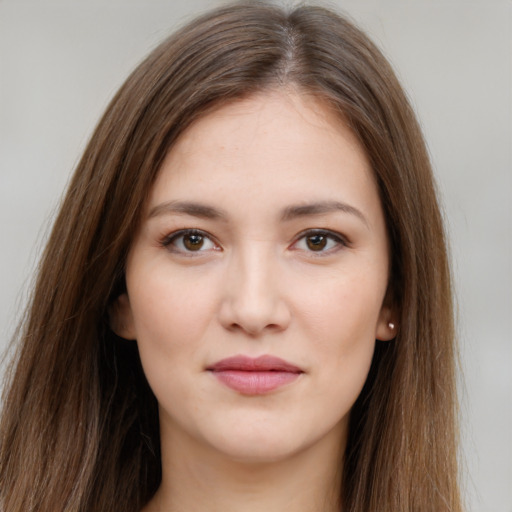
{"x":391,"y":325}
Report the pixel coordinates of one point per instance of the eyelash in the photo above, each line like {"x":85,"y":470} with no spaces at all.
{"x":171,"y":240}
{"x":339,"y":241}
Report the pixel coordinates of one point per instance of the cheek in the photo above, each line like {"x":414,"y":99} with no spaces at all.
{"x":171,"y":317}
{"x":165,"y":300}
{"x":171,"y":314}
{"x":343,"y":305}
{"x":340,"y":318}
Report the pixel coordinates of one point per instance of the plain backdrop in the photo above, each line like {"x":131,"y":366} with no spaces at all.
{"x":61,"y":62}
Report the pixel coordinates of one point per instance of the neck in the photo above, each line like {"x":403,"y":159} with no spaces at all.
{"x":307,"y":481}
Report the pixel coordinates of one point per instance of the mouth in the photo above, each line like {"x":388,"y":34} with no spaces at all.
{"x":255,"y":376}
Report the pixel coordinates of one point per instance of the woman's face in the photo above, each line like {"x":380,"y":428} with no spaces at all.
{"x":256,"y":282}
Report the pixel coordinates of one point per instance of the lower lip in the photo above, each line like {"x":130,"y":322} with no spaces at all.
{"x":255,"y":382}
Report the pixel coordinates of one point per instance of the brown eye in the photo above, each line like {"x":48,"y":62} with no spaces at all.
{"x":320,"y":241}
{"x":193,"y":242}
{"x":188,"y":241}
{"x":316,"y":242}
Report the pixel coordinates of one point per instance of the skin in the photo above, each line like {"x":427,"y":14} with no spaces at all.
{"x":255,"y":281}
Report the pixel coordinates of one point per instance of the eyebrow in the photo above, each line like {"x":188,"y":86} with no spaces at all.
{"x":320,"y":208}
{"x":187,"y":208}
{"x":289,"y":213}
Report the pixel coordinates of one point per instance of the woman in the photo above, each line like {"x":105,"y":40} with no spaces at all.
{"x":245,"y":300}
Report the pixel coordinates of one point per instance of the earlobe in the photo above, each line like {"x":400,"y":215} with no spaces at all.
{"x":121,"y":318}
{"x":386,"y":326}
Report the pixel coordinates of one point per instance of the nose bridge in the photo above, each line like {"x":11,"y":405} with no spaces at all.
{"x":253,"y":300}
{"x":256,"y":263}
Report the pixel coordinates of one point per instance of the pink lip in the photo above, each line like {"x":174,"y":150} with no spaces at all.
{"x":255,"y":376}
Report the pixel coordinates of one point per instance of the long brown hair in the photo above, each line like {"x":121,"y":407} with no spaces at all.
{"x":79,"y":430}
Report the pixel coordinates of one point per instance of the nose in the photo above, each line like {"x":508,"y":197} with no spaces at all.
{"x":252,"y":301}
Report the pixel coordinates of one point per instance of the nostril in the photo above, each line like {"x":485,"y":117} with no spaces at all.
{"x":253,"y":300}
{"x":253,"y":321}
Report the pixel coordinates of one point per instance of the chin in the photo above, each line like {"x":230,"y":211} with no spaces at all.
{"x":266,"y":451}
{"x":271,"y":443}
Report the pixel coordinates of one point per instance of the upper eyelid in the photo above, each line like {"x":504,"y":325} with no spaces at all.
{"x":167,"y":240}
{"x":341,"y":243}
{"x":322,"y":231}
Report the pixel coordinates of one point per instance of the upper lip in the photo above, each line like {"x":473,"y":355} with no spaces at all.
{"x":265,"y":363}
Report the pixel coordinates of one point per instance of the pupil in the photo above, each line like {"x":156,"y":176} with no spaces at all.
{"x":193,"y":242}
{"x":316,"y":242}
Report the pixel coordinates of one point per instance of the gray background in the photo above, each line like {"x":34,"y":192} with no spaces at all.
{"x":61,"y":61}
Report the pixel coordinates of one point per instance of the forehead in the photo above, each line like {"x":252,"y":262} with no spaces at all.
{"x":260,"y":117}
{"x":281,"y":145}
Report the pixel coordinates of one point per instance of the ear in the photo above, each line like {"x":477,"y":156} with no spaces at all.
{"x":121,"y":318}
{"x":387,"y":327}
